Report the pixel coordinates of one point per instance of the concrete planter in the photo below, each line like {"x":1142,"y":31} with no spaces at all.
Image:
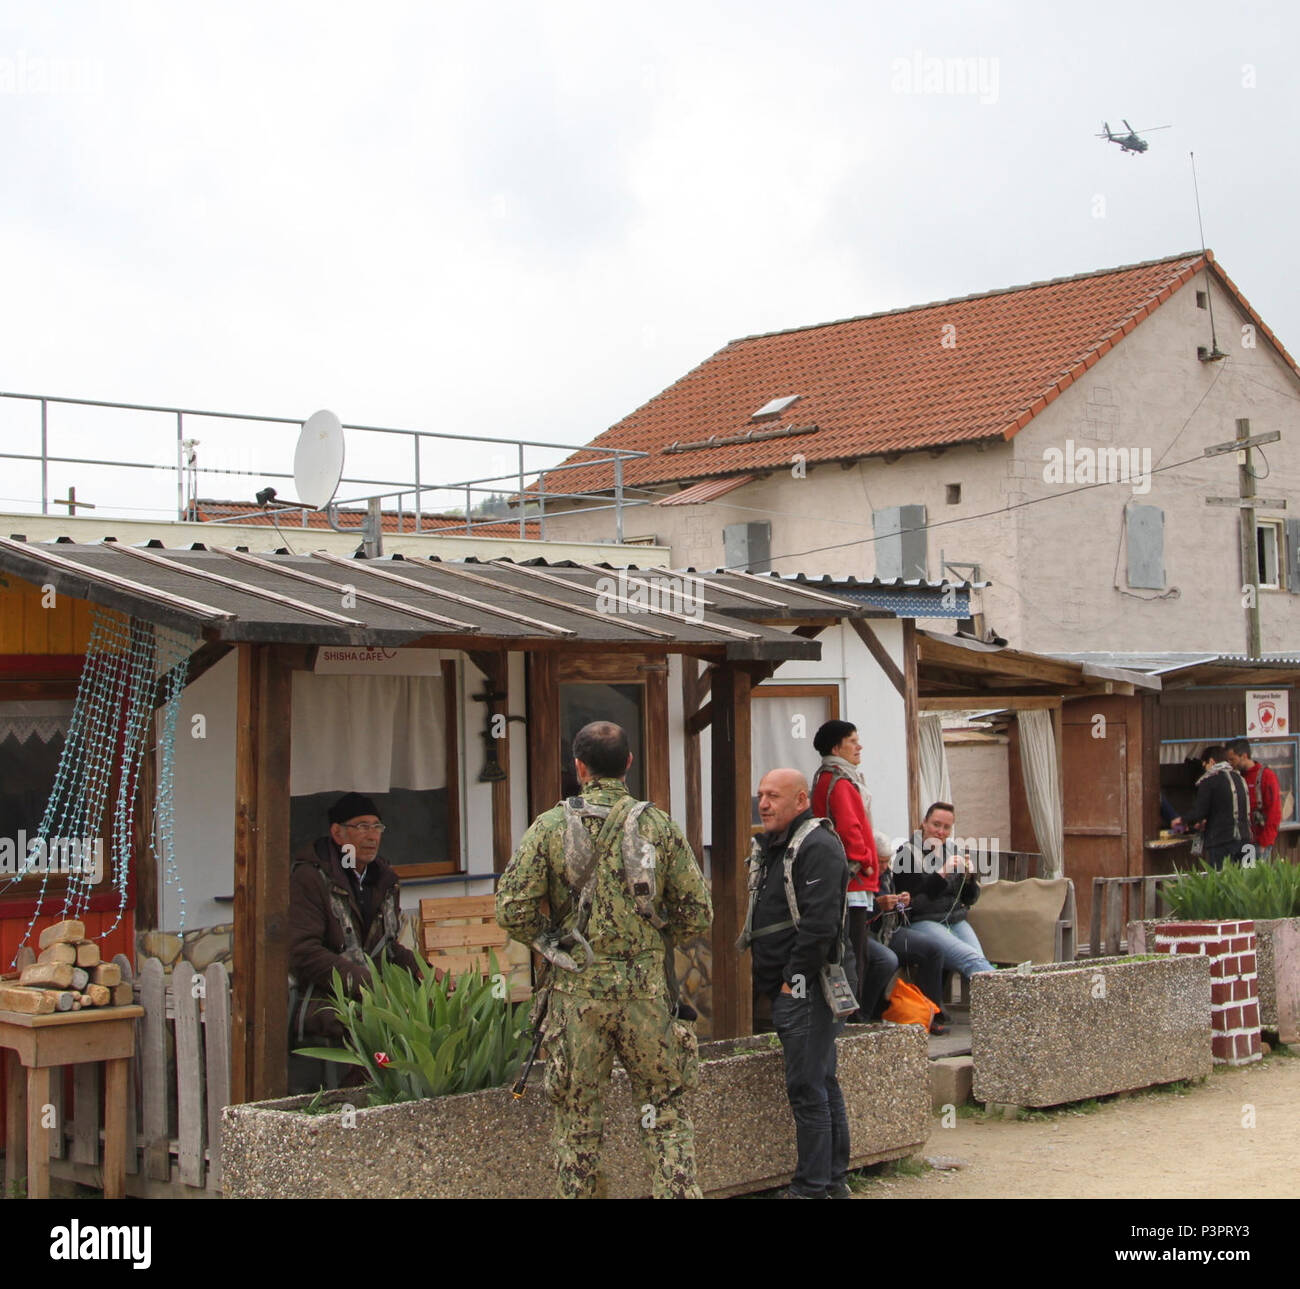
{"x":1072,"y":1030}
{"x":1278,"y":965}
{"x":485,"y":1145}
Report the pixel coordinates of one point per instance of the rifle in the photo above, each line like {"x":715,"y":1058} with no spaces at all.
{"x":541,"y":1004}
{"x":549,"y":945}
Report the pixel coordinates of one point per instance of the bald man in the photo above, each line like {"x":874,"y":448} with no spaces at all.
{"x":787,"y":961}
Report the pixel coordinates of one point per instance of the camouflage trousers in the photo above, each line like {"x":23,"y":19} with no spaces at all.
{"x":583,"y":1035}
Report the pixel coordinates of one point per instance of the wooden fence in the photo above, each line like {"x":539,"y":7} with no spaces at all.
{"x":178,"y":1084}
{"x":1117,"y":901}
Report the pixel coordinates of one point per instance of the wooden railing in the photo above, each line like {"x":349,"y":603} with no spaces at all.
{"x":178,"y":1084}
{"x":1117,"y":901}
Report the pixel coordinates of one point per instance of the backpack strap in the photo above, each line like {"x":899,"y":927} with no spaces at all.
{"x":757,"y":867}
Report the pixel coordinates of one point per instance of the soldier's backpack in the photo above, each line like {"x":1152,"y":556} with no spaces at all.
{"x":834,"y":981}
{"x":582,"y":853}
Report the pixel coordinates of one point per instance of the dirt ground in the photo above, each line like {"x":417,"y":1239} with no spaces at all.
{"x":1190,"y":1145}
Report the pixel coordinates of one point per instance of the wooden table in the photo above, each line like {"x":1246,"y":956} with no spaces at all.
{"x":40,"y":1043}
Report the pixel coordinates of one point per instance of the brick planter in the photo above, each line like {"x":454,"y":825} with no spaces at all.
{"x":1234,"y":995}
{"x":1277,"y":960}
{"x":485,"y":1145}
{"x":1073,"y":1030}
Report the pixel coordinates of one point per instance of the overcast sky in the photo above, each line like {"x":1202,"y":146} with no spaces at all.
{"x":525,"y":219}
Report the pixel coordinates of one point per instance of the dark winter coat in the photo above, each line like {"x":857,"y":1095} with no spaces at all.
{"x":1224,"y":803}
{"x":820,"y":875}
{"x":327,"y":930}
{"x":936,"y":897}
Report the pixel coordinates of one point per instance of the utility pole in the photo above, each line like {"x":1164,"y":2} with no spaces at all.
{"x":1247,"y":502}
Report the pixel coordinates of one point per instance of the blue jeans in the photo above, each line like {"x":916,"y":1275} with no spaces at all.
{"x":958,"y":942}
{"x":807,"y":1032}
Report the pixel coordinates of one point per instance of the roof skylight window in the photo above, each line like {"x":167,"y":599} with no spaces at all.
{"x":775,"y":407}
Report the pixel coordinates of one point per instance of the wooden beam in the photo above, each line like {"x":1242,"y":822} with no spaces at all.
{"x":878,"y":652}
{"x":960,"y":702}
{"x":694,"y":686}
{"x":911,"y":724}
{"x":259,"y":1001}
{"x":545,"y":782}
{"x":733,"y":1001}
{"x":204,"y":658}
{"x":658,"y":776}
{"x":1004,"y":662}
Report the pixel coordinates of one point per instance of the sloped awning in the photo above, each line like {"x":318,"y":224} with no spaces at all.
{"x":231,"y":596}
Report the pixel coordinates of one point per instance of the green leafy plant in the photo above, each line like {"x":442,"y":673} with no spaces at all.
{"x":1269,"y":889}
{"x":427,"y":1037}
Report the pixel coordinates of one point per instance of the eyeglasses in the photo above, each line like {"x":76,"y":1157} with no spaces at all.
{"x":375,"y":828}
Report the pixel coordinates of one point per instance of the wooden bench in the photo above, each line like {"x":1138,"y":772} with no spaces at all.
{"x":1117,"y":901}
{"x":457,"y":933}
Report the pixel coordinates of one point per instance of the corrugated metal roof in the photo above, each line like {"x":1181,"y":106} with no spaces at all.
{"x":227,"y":595}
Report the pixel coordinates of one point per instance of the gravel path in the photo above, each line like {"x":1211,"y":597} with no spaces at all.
{"x":1191,"y":1145}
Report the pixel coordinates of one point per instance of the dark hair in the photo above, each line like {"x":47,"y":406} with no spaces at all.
{"x":1214,"y":752}
{"x":602,"y":748}
{"x":940,"y":805}
{"x":831,"y":735}
{"x":1241,"y":746}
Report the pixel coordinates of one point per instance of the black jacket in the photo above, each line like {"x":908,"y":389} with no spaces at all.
{"x":1226,"y":829}
{"x":936,"y":897}
{"x":820,"y":876}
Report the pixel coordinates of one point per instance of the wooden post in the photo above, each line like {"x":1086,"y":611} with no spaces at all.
{"x":911,"y":723}
{"x":694,"y":687}
{"x":733,"y":1002}
{"x":545,"y":783}
{"x":260,"y":1003}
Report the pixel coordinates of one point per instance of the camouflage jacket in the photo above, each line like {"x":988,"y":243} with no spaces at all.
{"x":628,"y":951}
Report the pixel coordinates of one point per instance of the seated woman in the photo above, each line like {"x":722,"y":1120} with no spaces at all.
{"x":889,"y":924}
{"x":943,"y":885}
{"x":840,"y":795}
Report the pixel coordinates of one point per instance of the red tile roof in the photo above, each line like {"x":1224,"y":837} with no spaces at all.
{"x":451,"y":525}
{"x":888,"y":382}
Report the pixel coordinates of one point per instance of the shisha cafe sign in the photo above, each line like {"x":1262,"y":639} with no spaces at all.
{"x":1267,"y":712}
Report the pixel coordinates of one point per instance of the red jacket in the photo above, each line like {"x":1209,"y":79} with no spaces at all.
{"x":1265,"y":795}
{"x":853,"y":825}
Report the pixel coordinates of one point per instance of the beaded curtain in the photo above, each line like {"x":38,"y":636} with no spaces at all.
{"x":127,"y":661}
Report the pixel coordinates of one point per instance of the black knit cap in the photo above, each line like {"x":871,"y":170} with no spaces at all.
{"x":351,"y":806}
{"x":831,"y":735}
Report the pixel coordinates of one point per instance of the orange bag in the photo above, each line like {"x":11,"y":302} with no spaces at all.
{"x":909,"y":1006}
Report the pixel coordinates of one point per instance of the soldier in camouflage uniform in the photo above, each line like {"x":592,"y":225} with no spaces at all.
{"x":618,"y":1003}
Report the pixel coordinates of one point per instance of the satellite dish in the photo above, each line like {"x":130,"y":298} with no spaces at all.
{"x":318,"y":460}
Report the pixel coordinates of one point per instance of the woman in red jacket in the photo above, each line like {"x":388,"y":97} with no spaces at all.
{"x":840,"y":795}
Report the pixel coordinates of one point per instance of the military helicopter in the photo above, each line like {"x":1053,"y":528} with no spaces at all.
{"x":1132,"y":141}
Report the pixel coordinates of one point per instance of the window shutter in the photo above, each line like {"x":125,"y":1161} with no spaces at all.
{"x":1293,"y":556}
{"x":748,"y":547}
{"x":1146,"y":547}
{"x":900,"y":542}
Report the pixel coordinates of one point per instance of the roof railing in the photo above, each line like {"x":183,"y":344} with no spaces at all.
{"x":531,"y":504}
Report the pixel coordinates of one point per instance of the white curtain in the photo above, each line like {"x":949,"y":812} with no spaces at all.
{"x":367,"y":733}
{"x":935,"y":785}
{"x":781,"y":730}
{"x":26,"y":719}
{"x":1043,"y":787}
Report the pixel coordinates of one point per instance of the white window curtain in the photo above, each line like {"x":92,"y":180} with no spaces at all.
{"x":1043,"y":787}
{"x":935,"y":784}
{"x":367,"y":734}
{"x":42,"y":719}
{"x":781,"y":730}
